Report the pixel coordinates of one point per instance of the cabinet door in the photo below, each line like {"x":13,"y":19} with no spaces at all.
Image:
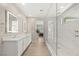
{"x":9,"y":48}
{"x":20,"y":47}
{"x":24,"y":43}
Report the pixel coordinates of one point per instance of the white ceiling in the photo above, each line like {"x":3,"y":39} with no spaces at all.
{"x":47,"y":9}
{"x":61,"y":7}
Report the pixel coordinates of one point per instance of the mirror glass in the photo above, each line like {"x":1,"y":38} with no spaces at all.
{"x":12,"y":23}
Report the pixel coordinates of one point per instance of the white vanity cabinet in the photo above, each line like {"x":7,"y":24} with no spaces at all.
{"x":20,"y":46}
{"x":26,"y":42}
{"x":15,"y":46}
{"x":10,"y":48}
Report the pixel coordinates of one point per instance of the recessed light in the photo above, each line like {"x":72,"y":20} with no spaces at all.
{"x":23,"y":3}
{"x":62,"y":7}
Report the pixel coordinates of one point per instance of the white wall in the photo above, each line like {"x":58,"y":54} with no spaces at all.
{"x":2,"y":26}
{"x":21,"y":18}
{"x":13,"y":9}
{"x":31,"y":26}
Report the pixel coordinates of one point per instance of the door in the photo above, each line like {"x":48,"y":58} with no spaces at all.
{"x":69,"y":44}
{"x":50,"y":30}
{"x":51,"y":36}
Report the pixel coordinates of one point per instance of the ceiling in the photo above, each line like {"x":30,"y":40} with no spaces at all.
{"x":61,"y":7}
{"x":42,"y":9}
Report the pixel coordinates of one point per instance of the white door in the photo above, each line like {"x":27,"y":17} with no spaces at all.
{"x":50,"y":30}
{"x":51,"y":36}
{"x":69,"y":44}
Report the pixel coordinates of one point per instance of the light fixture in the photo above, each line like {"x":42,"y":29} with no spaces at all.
{"x":23,"y":3}
{"x":62,"y":7}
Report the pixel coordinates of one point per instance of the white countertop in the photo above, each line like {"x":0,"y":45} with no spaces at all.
{"x":14,"y":37}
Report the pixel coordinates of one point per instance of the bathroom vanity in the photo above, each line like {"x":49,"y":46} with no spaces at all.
{"x":15,"y":45}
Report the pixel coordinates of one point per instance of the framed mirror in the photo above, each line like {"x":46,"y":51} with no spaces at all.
{"x":12,"y":23}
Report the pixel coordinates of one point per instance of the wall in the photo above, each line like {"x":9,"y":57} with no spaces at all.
{"x":2,"y":26}
{"x":29,"y":21}
{"x":31,"y":26}
{"x":2,"y":20}
{"x":16,"y":12}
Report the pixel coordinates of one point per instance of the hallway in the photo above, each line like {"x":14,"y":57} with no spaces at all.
{"x":37,"y":48}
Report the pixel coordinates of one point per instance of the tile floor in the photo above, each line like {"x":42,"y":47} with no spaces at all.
{"x":37,"y":48}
